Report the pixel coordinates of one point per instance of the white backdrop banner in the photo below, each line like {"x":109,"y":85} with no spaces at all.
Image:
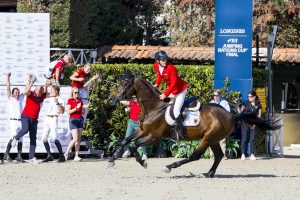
{"x":24,"y":45}
{"x":64,"y":134}
{"x":24,"y":48}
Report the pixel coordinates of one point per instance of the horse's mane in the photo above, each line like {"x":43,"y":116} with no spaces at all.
{"x":212,"y":105}
{"x":150,"y":87}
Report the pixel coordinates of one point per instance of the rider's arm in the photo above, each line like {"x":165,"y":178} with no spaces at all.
{"x":158,"y":76}
{"x":173,"y":80}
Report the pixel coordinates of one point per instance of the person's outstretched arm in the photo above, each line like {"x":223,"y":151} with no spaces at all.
{"x":91,"y":80}
{"x":8,"y":92}
{"x":31,"y":80}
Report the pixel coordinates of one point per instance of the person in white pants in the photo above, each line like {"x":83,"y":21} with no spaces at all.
{"x":56,"y":107}
{"x":177,"y":88}
{"x":15,"y":105}
{"x":222,"y":102}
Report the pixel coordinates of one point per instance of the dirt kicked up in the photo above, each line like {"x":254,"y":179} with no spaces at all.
{"x":265,"y":178}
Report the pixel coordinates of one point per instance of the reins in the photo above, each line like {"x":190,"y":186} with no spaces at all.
{"x":155,"y":111}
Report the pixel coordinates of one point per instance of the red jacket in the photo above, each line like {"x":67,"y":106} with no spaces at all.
{"x":171,"y":78}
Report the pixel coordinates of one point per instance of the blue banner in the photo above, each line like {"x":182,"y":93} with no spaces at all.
{"x":233,"y":44}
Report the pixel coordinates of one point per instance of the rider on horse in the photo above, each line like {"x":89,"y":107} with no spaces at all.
{"x":177,"y":88}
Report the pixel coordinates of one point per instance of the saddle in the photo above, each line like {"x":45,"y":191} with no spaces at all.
{"x":190,"y":112}
{"x":190,"y":105}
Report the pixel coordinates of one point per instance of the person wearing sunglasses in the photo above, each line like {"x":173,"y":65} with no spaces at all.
{"x":252,"y":105}
{"x":75,"y":109}
{"x":222,"y":102}
{"x":80,"y":80}
{"x":177,"y":88}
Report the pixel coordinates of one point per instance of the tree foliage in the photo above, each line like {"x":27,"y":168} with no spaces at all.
{"x":192,"y":22}
{"x":93,"y":23}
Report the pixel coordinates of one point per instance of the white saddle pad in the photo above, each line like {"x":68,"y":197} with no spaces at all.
{"x":192,"y":118}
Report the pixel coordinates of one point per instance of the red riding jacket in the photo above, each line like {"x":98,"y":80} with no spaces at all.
{"x":170,"y":76}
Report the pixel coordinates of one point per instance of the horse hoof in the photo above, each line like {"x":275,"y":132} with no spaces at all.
{"x":210,"y":174}
{"x":110,"y":164}
{"x":166,"y":170}
{"x":145,"y":164}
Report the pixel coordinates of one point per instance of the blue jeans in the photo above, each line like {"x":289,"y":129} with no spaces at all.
{"x":132,"y":126}
{"x":247,"y":131}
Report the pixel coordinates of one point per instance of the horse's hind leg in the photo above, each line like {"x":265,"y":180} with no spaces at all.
{"x":218,"y":154}
{"x":195,"y":156}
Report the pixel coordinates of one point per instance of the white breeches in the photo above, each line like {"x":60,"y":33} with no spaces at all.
{"x":50,"y":129}
{"x":15,"y":127}
{"x":179,"y":100}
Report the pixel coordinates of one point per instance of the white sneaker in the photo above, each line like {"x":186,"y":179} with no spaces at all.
{"x":144,"y":157}
{"x":66,"y":156}
{"x":243,"y":157}
{"x":126,"y":154}
{"x":77,"y":158}
{"x":252,"y":157}
{"x":32,"y":161}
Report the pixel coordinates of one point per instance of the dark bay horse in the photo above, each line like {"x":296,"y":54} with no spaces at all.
{"x":215,"y":124}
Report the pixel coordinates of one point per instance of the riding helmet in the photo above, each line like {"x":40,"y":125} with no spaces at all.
{"x":161,"y":55}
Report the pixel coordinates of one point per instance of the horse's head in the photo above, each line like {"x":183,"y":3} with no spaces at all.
{"x":124,"y":90}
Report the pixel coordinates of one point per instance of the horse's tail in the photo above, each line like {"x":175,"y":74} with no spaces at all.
{"x":251,"y":118}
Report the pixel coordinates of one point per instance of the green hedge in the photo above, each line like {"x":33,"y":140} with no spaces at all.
{"x":106,"y":125}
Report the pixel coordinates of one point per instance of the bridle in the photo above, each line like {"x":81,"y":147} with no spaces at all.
{"x":130,"y":84}
{"x":123,"y":92}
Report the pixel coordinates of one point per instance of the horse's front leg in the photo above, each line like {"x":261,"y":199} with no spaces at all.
{"x":116,"y":154}
{"x":136,"y":145}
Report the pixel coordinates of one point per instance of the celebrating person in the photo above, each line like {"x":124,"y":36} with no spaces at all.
{"x":177,"y":88}
{"x":56,"y":107}
{"x":133,"y":122}
{"x":79,"y":80}
{"x":75,"y":109}
{"x":29,"y":116}
{"x":15,"y":106}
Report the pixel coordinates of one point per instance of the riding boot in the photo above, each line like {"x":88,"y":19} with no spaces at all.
{"x":49,"y":155}
{"x":6,"y":154}
{"x":19,"y":156}
{"x":180,"y":128}
{"x":61,"y":154}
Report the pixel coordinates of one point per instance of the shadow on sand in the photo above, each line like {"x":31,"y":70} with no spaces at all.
{"x":191,"y":175}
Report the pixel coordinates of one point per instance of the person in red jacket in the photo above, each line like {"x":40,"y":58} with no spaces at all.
{"x":177,"y":88}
